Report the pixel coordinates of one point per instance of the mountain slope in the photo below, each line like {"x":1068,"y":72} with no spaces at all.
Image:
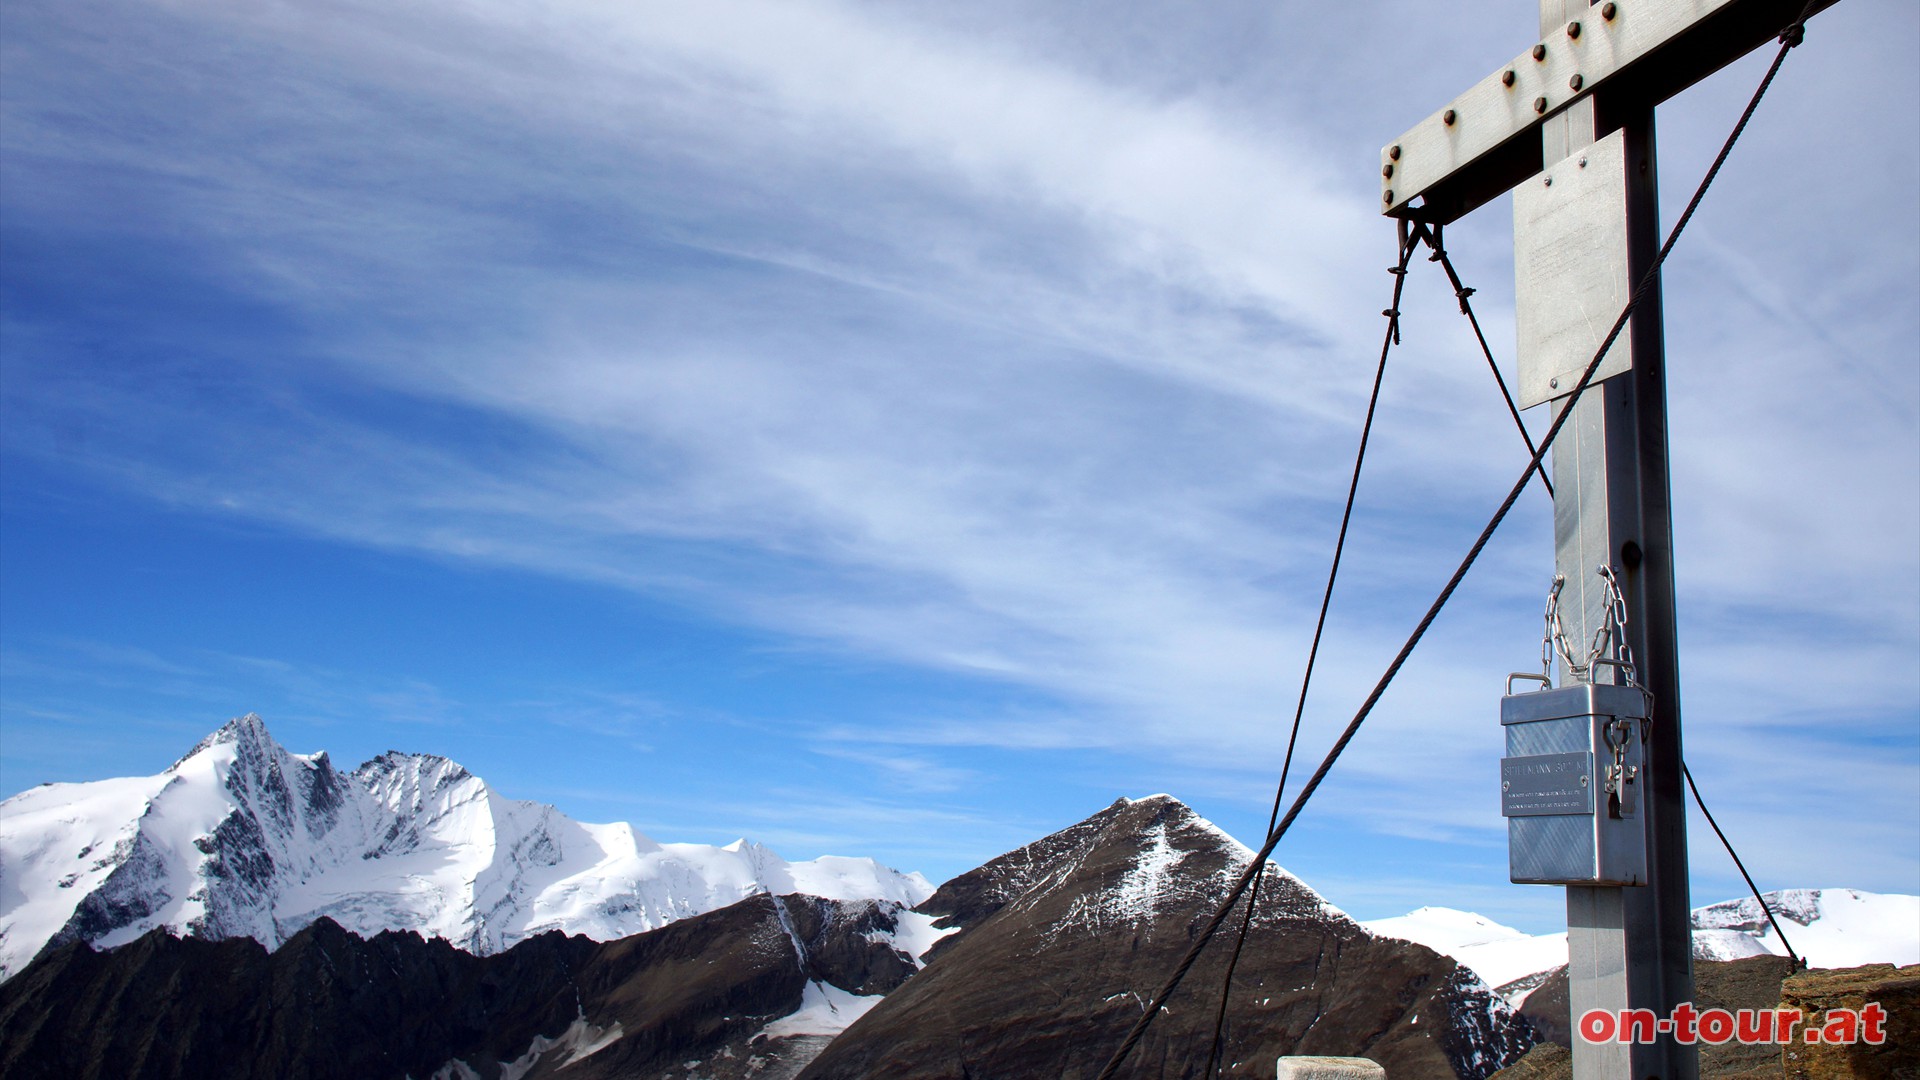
{"x":1059,"y":944}
{"x":240,"y":838}
{"x":749,"y":990}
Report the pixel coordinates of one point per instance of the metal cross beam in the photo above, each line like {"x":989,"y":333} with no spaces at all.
{"x":1483,"y":143}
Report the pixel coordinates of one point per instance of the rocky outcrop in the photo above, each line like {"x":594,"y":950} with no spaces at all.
{"x":1546,"y":1012}
{"x":849,"y":944}
{"x":1817,"y":993}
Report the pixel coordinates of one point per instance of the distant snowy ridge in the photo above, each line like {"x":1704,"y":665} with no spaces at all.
{"x":242,"y":838}
{"x":1830,"y":927}
{"x":1498,"y":954}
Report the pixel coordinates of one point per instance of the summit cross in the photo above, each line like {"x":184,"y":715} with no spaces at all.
{"x":1568,"y":127}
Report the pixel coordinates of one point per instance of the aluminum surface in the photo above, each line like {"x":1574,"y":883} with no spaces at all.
{"x":1597,"y":951}
{"x":1561,"y":827}
{"x":1554,"y":850}
{"x":1649,"y":50}
{"x":1570,"y":270}
{"x":1612,"y":505}
{"x":1579,"y":699}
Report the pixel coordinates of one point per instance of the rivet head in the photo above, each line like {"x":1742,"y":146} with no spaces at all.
{"x":1387,"y":197}
{"x":1387,"y":171}
{"x":1546,"y":181}
{"x":1449,"y":117}
{"x":1506,"y":77}
{"x":1583,"y":163}
{"x":1553,"y":384}
{"x":1576,"y":82}
{"x":1608,"y":10}
{"x":1539,"y":104}
{"x":1540,"y":52}
{"x":1393,"y":152}
{"x":1573,"y":29}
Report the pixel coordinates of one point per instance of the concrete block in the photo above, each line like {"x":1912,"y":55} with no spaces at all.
{"x":1330,"y":1068}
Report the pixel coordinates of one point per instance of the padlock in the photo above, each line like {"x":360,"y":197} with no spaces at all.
{"x":1570,"y":784}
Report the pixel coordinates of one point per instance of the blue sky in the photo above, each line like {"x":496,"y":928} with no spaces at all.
{"x":901,"y":429}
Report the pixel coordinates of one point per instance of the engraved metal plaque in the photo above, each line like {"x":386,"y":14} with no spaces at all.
{"x":1570,"y":269}
{"x":1546,"y":784}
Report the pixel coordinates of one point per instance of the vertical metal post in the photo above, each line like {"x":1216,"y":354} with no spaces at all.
{"x":1627,"y":947}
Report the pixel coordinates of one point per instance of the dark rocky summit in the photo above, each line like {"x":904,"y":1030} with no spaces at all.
{"x":1063,"y":941}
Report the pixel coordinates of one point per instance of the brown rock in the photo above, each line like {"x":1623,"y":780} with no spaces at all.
{"x":1546,"y":1061}
{"x":1546,"y":1009}
{"x":1815,"y":993}
{"x":1751,"y":982}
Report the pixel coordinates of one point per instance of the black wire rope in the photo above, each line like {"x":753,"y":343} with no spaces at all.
{"x":1790,"y":37}
{"x":1460,"y":293}
{"x":1392,"y":337}
{"x":1765,"y":908}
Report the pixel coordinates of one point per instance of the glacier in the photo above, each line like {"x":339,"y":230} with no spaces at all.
{"x":242,"y":838}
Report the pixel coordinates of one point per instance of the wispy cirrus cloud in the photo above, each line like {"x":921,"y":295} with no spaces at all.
{"x":907,"y":338}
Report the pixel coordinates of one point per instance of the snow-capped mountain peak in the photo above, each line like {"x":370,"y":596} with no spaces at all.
{"x":248,"y":729}
{"x":242,"y":838}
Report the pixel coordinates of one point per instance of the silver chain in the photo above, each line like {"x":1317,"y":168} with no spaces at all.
{"x":1609,"y":647}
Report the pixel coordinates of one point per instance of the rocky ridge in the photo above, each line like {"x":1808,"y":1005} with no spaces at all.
{"x":722,"y":989}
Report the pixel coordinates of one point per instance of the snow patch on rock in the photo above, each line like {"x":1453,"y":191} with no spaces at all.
{"x":1148,"y":880}
{"x":913,"y":935}
{"x":824,"y":1009}
{"x":1726,"y":945}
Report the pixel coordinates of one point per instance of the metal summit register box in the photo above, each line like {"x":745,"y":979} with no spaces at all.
{"x":1570,"y":785}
